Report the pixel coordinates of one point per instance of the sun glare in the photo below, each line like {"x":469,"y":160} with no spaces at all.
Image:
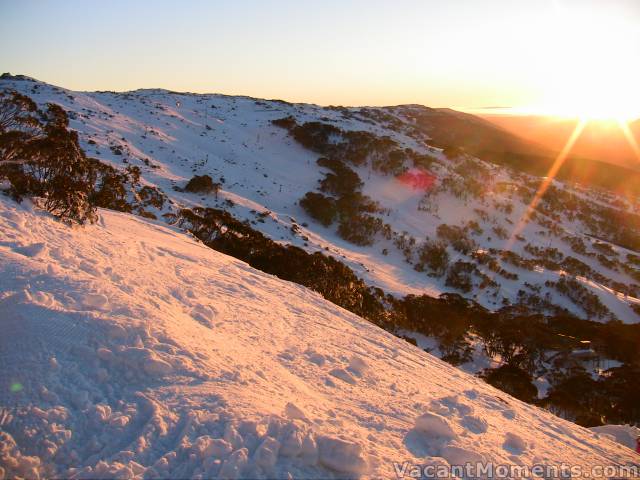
{"x":546,"y":182}
{"x":624,"y":126}
{"x":590,"y":67}
{"x":591,"y":72}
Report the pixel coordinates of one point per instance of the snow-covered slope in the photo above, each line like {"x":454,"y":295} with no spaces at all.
{"x":172,"y":136}
{"x":127,"y":348}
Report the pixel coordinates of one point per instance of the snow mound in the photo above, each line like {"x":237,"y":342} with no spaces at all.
{"x":623,"y":434}
{"x":128,"y":349}
{"x":434,"y":425}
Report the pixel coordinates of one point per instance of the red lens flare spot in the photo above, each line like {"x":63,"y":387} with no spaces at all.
{"x":417,"y":179}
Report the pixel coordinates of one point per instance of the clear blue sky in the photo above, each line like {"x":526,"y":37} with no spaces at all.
{"x":462,"y":53}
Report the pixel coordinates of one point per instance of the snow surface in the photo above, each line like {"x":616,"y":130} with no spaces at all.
{"x":623,"y":434}
{"x":129,"y":349}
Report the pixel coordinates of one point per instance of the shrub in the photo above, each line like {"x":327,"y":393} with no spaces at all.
{"x":395,"y":162}
{"x":316,"y":136}
{"x":319,"y":207}
{"x":456,"y":237}
{"x":353,"y":209}
{"x":18,"y":124}
{"x":42,"y":158}
{"x":286,"y":122}
{"x":459,"y":276}
{"x":452,"y":152}
{"x":434,"y":256}
{"x":359,"y":229}
{"x":605,"y":248}
{"x":577,"y":395}
{"x":500,"y":232}
{"x":111,"y":188}
{"x":513,"y":380}
{"x":343,"y":180}
{"x":582,"y":297}
{"x":151,"y":196}
{"x":202,"y":184}
{"x":633,"y":259}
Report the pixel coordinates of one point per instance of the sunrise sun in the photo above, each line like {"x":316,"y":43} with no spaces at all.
{"x":590,"y":68}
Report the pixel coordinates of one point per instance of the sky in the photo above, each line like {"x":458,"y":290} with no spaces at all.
{"x":469,"y":54}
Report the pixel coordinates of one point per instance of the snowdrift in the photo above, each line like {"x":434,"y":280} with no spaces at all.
{"x":624,"y":434}
{"x":129,"y":349}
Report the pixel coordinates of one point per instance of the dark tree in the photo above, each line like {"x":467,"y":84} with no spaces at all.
{"x":202,"y":184}
{"x":18,"y":124}
{"x":434,"y":257}
{"x":319,"y":207}
{"x":42,"y":158}
{"x":513,"y":380}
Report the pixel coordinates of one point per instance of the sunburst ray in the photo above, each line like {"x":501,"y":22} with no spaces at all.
{"x":546,"y":181}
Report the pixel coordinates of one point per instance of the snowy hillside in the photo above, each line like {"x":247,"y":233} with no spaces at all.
{"x":130,"y":349}
{"x":560,"y":260}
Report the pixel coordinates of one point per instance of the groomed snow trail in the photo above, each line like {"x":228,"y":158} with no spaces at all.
{"x":128,"y":349}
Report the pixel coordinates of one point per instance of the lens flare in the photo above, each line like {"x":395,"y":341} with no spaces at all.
{"x":546,"y":181}
{"x":16,"y":387}
{"x":624,"y":126}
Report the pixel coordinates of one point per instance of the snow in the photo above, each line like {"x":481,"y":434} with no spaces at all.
{"x":342,"y":455}
{"x":434,"y":425}
{"x":129,"y":349}
{"x":623,"y":434}
{"x":514,"y":443}
{"x":265,"y":170}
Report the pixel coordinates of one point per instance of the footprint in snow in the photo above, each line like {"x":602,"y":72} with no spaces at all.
{"x":474,"y":424}
{"x":431,"y":432}
{"x":44,"y":299}
{"x":514,"y":443}
{"x":343,"y":375}
{"x":116,"y":332}
{"x":450,"y":406}
{"x":89,"y":268}
{"x":461,"y":456}
{"x":471,"y":394}
{"x":204,"y":314}
{"x":434,"y":425}
{"x":358,"y":366}
{"x":500,"y":404}
{"x":34,"y":250}
{"x":294,"y":412}
{"x":317,"y":358}
{"x":509,"y":414}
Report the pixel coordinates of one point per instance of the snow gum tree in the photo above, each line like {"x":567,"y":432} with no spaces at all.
{"x":41,"y":157}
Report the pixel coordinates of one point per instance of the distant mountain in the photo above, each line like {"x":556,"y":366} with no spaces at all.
{"x":601,"y":140}
{"x":602,"y":156}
